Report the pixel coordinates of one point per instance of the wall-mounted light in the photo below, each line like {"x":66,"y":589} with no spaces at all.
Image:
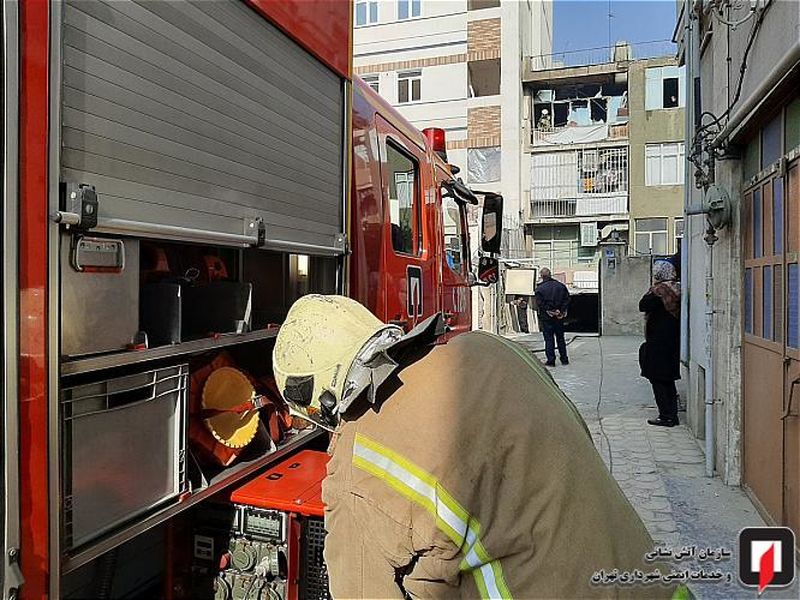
{"x":302,"y":265}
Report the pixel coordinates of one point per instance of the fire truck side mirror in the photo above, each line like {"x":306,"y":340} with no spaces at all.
{"x":487,"y":271}
{"x":492,"y":224}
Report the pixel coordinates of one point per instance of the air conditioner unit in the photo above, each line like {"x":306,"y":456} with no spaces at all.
{"x":589,"y":234}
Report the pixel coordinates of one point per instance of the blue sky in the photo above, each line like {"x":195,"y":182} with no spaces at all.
{"x":580,"y":24}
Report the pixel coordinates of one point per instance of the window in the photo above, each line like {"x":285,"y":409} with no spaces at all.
{"x":664,"y":163}
{"x":559,"y":247}
{"x":651,"y":236}
{"x":748,"y":300}
{"x":664,"y":87}
{"x":366,"y":12}
{"x":373,"y":81}
{"x":404,"y":203}
{"x":483,"y":165}
{"x":670,"y":92}
{"x":679,"y":224}
{"x":409,"y":86}
{"x":407,"y":9}
{"x":454,"y":246}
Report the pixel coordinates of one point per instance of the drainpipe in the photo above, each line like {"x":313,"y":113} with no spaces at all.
{"x":710,"y":445}
{"x":688,"y":37}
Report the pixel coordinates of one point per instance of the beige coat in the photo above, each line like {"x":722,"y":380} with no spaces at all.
{"x":476,"y":478}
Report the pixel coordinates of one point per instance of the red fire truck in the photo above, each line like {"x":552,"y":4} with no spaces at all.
{"x":176,"y":174}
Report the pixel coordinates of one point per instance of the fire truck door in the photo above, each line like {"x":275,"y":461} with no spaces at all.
{"x":10,"y":574}
{"x":408,"y":272}
{"x":456,"y":297}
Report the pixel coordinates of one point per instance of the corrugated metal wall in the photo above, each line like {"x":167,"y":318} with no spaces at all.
{"x":201,"y":115}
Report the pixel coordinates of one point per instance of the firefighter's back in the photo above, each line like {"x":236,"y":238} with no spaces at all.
{"x":477,"y":453}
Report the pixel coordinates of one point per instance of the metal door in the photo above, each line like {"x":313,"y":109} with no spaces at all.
{"x":771,"y":348}
{"x":408,"y":269}
{"x":200,"y":118}
{"x":10,"y":575}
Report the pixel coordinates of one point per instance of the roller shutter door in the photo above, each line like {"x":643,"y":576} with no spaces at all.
{"x":200,"y":115}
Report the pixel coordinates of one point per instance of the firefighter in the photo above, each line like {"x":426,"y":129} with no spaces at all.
{"x":457,"y":470}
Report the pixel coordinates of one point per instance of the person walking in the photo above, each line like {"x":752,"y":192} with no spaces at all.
{"x":659,"y":355}
{"x":552,"y":302}
{"x":457,"y":470}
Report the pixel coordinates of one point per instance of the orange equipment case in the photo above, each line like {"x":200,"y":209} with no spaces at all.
{"x":294,"y":486}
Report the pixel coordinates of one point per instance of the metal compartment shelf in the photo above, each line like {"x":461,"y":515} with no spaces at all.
{"x":120,"y":359}
{"x":71,"y":561}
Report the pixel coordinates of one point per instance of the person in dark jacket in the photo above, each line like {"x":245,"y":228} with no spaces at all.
{"x":552,"y":302}
{"x":659,"y":356}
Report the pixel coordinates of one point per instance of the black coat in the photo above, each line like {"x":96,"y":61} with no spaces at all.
{"x":659,"y":356}
{"x":551,"y":295}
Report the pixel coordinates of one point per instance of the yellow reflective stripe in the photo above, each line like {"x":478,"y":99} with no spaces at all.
{"x":421,"y":487}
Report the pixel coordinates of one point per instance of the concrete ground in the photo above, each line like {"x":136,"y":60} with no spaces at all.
{"x":661,"y":470}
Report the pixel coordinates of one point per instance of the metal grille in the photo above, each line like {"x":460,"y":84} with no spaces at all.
{"x":585,"y":182}
{"x":314,"y":573}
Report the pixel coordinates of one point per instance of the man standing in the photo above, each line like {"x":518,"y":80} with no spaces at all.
{"x":552,"y":302}
{"x":457,"y":470}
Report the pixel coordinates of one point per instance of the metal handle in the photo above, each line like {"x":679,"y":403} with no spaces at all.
{"x":788,"y":412}
{"x":124,"y":226}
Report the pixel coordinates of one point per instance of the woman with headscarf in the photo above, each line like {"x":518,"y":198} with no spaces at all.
{"x":659,"y":356}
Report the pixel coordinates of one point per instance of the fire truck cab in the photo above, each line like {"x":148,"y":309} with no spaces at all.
{"x":409,"y":230}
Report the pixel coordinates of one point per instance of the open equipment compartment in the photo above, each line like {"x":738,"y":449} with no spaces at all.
{"x":118,"y":399}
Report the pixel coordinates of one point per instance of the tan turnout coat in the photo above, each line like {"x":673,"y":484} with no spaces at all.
{"x":476,"y":477}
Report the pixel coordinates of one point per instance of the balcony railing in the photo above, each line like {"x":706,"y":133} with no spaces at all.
{"x":584,"y":206}
{"x":603,"y":54}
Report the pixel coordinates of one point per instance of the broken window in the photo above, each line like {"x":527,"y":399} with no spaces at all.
{"x":579,"y":113}
{"x":599,"y":110}
{"x":560,"y":113}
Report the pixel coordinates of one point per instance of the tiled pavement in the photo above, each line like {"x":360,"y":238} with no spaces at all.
{"x":661,"y":470}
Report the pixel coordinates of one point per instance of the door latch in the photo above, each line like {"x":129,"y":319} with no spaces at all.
{"x":80,"y":207}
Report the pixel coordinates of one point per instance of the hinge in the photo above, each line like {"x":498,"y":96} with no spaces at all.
{"x":256,"y":227}
{"x":342,"y":242}
{"x":14,"y":578}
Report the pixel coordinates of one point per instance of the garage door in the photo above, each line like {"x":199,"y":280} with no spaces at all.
{"x":200,"y":116}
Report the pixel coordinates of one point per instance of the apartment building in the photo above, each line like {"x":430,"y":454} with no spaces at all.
{"x":741,"y":280}
{"x":656,"y":126}
{"x":605,"y":161}
{"x":457,"y":64}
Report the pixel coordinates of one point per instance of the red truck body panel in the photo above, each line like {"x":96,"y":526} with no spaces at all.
{"x":401,"y":288}
{"x":323,"y":27}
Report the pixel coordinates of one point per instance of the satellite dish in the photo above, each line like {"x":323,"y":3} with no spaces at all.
{"x":717,"y":206}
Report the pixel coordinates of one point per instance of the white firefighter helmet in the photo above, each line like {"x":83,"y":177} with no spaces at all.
{"x":319,"y":343}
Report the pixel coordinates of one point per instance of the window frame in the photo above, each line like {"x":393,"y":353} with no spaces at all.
{"x":650,"y":233}
{"x":417,"y":242}
{"x":660,"y":148}
{"x":462,"y":233}
{"x":413,"y":9}
{"x":373,"y":78}
{"x":409,"y":77}
{"x":675,"y":236}
{"x":368,"y":12}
